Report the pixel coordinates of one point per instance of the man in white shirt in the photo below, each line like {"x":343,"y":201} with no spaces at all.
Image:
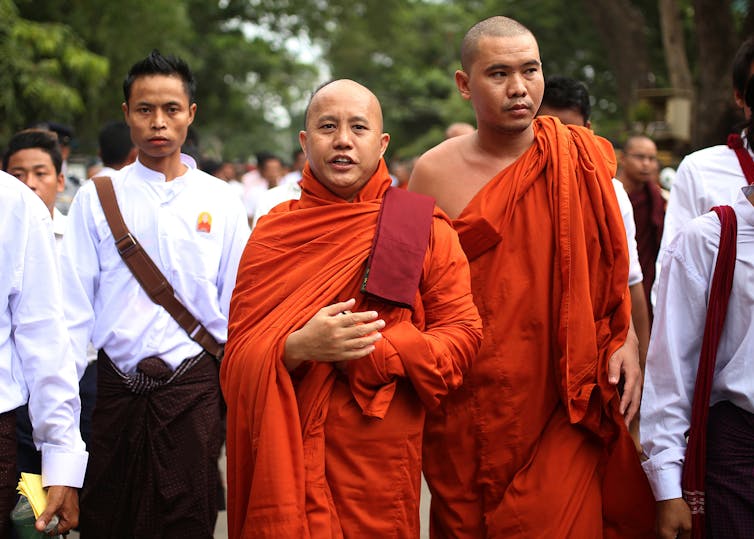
{"x":157,"y":425}
{"x":711,"y":176}
{"x":45,"y":376}
{"x":672,"y":364}
{"x":34,"y":157}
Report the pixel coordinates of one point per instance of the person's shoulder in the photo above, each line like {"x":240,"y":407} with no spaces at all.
{"x":438,"y":162}
{"x":706,"y":156}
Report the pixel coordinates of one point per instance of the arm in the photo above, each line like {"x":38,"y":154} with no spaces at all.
{"x":672,"y":362}
{"x":436,"y":357}
{"x":41,"y":343}
{"x":640,"y":321}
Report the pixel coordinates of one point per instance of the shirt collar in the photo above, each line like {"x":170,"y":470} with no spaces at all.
{"x":58,"y":222}
{"x":153,"y":175}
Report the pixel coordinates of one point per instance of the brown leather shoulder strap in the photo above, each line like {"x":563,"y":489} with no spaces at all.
{"x":146,"y":271}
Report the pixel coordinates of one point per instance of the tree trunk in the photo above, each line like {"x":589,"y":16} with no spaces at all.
{"x":717,"y":42}
{"x":622,"y":28}
{"x":674,"y":46}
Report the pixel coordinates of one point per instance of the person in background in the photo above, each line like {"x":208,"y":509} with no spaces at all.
{"x":638,"y":173}
{"x":299,"y":160}
{"x":116,"y":149}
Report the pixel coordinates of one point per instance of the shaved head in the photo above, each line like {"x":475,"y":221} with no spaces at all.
{"x":635,"y":140}
{"x":493,"y":27}
{"x":340,"y":85}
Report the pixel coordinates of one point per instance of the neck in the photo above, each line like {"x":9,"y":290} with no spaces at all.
{"x":629,"y":185}
{"x":171,"y":165}
{"x":508,"y":145}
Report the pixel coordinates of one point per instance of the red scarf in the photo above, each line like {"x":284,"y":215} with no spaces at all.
{"x":694,"y":468}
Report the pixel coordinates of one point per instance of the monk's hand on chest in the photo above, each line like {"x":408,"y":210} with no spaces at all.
{"x":334,"y":334}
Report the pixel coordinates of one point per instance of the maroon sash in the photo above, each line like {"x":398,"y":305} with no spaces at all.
{"x":736,"y":144}
{"x":400,"y":242}
{"x":694,"y":467}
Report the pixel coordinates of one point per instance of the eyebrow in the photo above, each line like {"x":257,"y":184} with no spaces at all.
{"x":148,"y":104}
{"x":330,"y":117}
{"x":528,"y":63}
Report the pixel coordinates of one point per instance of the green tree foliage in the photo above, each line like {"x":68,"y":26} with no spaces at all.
{"x":245,"y":84}
{"x":46,"y":71}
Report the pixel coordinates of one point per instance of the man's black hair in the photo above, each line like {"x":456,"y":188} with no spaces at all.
{"x":742,"y":65}
{"x":157,"y":64}
{"x":43,"y":139}
{"x":567,"y":93}
{"x":115,"y":143}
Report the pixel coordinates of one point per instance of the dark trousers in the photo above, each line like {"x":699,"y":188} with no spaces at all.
{"x":8,"y":479}
{"x":29,"y":459}
{"x":729,"y":483}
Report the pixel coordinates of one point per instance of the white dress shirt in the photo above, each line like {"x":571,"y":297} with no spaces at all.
{"x":194,"y":228}
{"x":36,"y":363}
{"x":676,"y":342}
{"x":704,"y":179}
{"x":627,"y":213}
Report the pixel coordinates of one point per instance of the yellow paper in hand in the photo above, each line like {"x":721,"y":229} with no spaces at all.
{"x":30,"y":485}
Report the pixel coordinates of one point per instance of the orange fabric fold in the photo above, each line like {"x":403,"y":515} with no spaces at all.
{"x":552,"y":293}
{"x":318,"y":453}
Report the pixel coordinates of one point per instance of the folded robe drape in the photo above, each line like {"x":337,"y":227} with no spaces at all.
{"x":521,"y":449}
{"x":315,"y":453}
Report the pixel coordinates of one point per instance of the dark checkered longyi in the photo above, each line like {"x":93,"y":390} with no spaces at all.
{"x":730,"y":473}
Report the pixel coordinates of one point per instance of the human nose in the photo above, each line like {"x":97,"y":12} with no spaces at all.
{"x":158,"y":119}
{"x":516,"y":86}
{"x":342,"y":137}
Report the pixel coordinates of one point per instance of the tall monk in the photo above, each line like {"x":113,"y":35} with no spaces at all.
{"x":526,"y":447}
{"x":351,"y":316}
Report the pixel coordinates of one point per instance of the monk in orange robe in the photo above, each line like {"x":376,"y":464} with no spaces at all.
{"x":330,"y":365}
{"x":534,"y":444}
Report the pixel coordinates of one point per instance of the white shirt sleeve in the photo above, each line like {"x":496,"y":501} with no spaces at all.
{"x":627,"y":213}
{"x":41,"y":343}
{"x":236,"y":237}
{"x":672,"y":362}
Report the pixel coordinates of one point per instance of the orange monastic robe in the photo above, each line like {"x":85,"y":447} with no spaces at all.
{"x":520,"y":449}
{"x":318,"y":453}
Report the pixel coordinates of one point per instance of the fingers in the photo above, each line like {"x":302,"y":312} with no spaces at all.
{"x":337,"y":308}
{"x":614,"y":366}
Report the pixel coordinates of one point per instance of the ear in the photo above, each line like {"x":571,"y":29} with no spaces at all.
{"x":192,"y":113}
{"x":462,"y":83}
{"x":739,"y":99}
{"x":302,"y":142}
{"x":588,"y":124}
{"x":60,"y":183}
{"x":124,"y":108}
{"x":384,"y":141}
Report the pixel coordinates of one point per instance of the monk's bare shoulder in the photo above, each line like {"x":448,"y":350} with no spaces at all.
{"x":444,"y":173}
